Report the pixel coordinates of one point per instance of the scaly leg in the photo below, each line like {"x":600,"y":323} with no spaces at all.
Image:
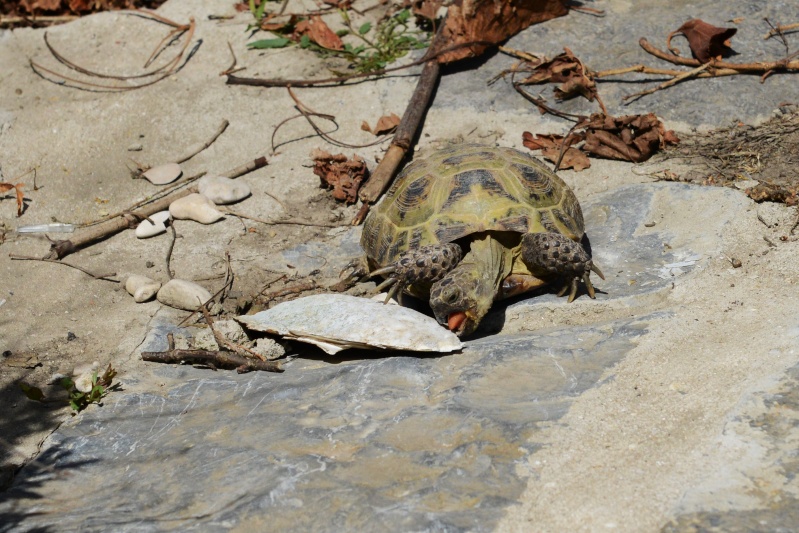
{"x":429,"y":264}
{"x":553,"y":254}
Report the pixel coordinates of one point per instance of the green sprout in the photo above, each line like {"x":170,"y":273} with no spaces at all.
{"x":100,"y":386}
{"x":375,"y":47}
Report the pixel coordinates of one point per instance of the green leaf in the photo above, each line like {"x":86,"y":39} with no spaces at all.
{"x":305,"y":41}
{"x":365,"y":28}
{"x":342,"y":33}
{"x":33,"y":393}
{"x":403,"y":16}
{"x":259,"y":13}
{"x":280,"y":42}
{"x":67,"y":384}
{"x":74,"y":405}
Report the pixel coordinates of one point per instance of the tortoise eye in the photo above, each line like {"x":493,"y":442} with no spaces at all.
{"x":452,"y":295}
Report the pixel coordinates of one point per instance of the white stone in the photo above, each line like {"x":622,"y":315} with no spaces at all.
{"x":222,"y":191}
{"x":195,"y":207}
{"x":141,"y":288}
{"x":335,"y":322}
{"x":182,"y":294}
{"x":146,"y":229}
{"x":269,"y":348}
{"x":163,"y":174}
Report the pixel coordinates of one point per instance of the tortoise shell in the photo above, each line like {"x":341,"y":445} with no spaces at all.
{"x":466,"y":189}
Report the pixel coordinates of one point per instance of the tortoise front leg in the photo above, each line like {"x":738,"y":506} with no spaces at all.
{"x":426,"y":264}
{"x":554,"y":254}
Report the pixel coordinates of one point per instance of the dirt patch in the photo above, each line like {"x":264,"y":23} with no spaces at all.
{"x":761,"y":160}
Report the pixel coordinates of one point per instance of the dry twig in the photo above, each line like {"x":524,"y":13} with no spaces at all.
{"x":104,"y":277}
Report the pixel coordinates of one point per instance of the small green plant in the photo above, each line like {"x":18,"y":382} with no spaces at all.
{"x":91,"y":390}
{"x":100,"y":385}
{"x":375,"y":47}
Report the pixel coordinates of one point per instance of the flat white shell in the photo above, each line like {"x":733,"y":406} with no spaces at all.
{"x":163,"y":174}
{"x":195,"y":207}
{"x":221,"y":190}
{"x":335,"y":322}
{"x":145,"y":229}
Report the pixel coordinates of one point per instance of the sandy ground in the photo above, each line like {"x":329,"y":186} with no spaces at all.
{"x":662,"y":438}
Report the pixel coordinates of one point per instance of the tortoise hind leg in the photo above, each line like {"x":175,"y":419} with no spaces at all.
{"x":553,"y":254}
{"x":426,"y":264}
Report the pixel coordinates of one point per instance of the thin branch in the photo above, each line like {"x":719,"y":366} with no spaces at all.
{"x":739,"y":68}
{"x":202,"y":146}
{"x":665,"y":85}
{"x":408,"y":127}
{"x":259,"y":82}
{"x":170,"y":248}
{"x":307,"y":112}
{"x":104,"y":277}
{"x":131,"y":217}
{"x":213,"y":359}
{"x":288,"y":222}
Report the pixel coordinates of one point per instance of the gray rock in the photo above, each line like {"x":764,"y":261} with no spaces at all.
{"x":388,"y":443}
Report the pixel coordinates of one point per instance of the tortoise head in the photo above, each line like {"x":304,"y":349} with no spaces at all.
{"x":462,"y":298}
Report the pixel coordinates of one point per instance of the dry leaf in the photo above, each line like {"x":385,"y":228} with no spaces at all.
{"x":341,"y":174}
{"x":45,"y":5}
{"x":707,"y":42}
{"x":426,"y":8}
{"x":567,"y":70}
{"x":5,"y":187}
{"x":633,"y":138}
{"x":550,"y":145}
{"x":283,"y":26}
{"x":385,"y":124}
{"x":492,"y":21}
{"x":319,"y":32}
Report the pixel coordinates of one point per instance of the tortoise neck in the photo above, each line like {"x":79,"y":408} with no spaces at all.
{"x":490,"y":260}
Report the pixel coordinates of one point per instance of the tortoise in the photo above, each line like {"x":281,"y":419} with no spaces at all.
{"x":471,"y":224}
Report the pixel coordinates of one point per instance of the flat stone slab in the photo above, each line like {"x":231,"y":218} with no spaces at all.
{"x":394,"y":443}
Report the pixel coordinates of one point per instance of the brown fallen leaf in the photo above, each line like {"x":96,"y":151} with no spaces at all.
{"x":285,"y":26}
{"x":385,"y":124}
{"x":550,"y":146}
{"x":567,"y":70}
{"x":319,"y":32}
{"x":633,"y":138}
{"x":339,"y":173}
{"x":707,"y":42}
{"x":45,"y":5}
{"x":5,"y":187}
{"x":427,"y":9}
{"x":489,"y":22}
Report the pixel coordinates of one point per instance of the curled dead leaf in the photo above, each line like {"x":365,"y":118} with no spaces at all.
{"x":707,"y":42}
{"x":427,"y":9}
{"x":489,"y":22}
{"x":567,"y":70}
{"x":385,"y":124}
{"x":633,"y":138}
{"x":319,"y":32}
{"x":551,"y":146}
{"x":344,"y":176}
